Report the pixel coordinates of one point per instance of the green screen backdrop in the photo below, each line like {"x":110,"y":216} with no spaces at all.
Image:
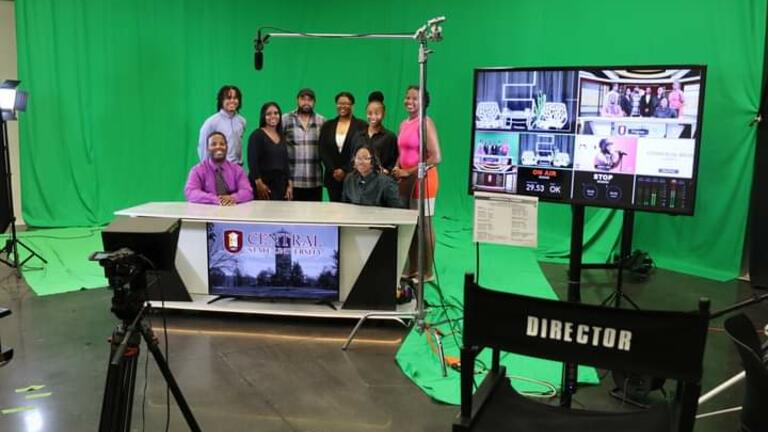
{"x":119,"y":89}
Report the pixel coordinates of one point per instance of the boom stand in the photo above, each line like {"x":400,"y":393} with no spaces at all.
{"x":431,"y":31}
{"x":625,"y":253}
{"x":420,"y":313}
{"x":11,"y":248}
{"x":117,"y":404}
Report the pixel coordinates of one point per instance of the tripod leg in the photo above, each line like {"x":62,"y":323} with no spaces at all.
{"x":117,"y":404}
{"x":163,"y":365}
{"x":32,"y":253}
{"x":626,"y":297}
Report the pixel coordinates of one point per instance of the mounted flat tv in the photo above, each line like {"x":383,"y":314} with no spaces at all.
{"x":273,"y":261}
{"x":618,"y":136}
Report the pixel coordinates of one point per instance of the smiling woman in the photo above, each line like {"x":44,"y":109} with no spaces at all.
{"x":335,"y":143}
{"x":366,"y":185}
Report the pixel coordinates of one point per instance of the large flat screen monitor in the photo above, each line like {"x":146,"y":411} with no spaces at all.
{"x":621,"y":137}
{"x":273,"y":261}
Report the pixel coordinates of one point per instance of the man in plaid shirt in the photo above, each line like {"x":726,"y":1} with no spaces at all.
{"x":301,"y":129}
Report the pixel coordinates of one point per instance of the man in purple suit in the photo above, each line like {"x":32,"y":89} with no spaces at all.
{"x":216,"y":180}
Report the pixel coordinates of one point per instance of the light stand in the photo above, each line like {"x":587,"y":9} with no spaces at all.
{"x":431,"y":31}
{"x":10,"y":102}
{"x":738,"y":377}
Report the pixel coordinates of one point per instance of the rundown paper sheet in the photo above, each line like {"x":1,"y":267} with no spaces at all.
{"x":506,"y":219}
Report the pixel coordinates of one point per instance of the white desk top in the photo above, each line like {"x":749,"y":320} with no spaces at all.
{"x":278,"y":212}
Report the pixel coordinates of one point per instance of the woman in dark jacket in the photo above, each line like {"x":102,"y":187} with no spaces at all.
{"x":335,"y":144}
{"x":366,"y":185}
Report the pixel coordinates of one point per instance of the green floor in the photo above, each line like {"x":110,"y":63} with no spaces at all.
{"x":502,"y":268}
{"x":67,"y":251}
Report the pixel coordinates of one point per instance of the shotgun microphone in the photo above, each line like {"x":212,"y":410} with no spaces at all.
{"x":258,"y":57}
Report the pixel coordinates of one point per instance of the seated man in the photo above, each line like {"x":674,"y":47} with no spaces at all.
{"x":366,"y":186}
{"x":216,"y":180}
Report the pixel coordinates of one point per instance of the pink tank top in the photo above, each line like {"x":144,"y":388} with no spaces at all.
{"x":675,"y":99}
{"x":408,"y":143}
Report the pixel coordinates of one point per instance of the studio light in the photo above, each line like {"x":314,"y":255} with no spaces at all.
{"x":11,"y":100}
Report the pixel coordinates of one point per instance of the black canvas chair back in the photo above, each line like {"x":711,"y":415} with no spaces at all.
{"x":656,"y":343}
{"x":754,"y":413}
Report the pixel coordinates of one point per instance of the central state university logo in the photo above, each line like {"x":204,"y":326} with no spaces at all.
{"x":233,"y":241}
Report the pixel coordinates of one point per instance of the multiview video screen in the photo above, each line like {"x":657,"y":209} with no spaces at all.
{"x":622,"y":137}
{"x":274,"y":261}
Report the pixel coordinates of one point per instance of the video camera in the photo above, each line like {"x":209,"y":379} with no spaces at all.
{"x":139,"y":263}
{"x":126,"y":272}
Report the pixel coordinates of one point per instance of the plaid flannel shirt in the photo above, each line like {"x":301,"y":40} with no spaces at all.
{"x":303,"y":149}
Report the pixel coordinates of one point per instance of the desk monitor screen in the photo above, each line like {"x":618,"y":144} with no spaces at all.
{"x":273,"y":261}
{"x":622,"y":137}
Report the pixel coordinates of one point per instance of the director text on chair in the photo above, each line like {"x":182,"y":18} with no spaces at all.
{"x":659,"y":344}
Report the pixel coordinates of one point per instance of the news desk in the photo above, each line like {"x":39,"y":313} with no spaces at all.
{"x":361,"y":245}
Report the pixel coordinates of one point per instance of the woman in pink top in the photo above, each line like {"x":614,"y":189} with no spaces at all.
{"x":405,"y":172}
{"x":676,"y":101}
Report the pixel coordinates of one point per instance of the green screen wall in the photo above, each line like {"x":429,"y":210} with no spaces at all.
{"x":119,"y":90}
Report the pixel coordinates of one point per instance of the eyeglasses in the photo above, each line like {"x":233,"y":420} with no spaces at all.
{"x":363,"y":158}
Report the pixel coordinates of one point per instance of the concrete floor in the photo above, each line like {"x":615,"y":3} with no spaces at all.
{"x":244,"y":373}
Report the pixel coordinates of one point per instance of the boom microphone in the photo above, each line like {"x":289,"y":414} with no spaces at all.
{"x":258,"y":60}
{"x":258,"y":57}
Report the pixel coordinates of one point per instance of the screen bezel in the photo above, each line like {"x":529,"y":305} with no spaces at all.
{"x":257,"y":297}
{"x":569,"y":200}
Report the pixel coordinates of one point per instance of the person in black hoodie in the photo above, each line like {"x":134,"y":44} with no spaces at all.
{"x":336,"y":144}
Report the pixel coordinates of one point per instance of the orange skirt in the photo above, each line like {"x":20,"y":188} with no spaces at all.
{"x":409,"y":191}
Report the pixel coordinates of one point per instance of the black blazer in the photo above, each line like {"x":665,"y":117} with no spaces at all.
{"x":329,"y":151}
{"x":626,"y":104}
{"x":647,"y":108}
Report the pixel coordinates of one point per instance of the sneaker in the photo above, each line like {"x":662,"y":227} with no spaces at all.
{"x":404,"y":292}
{"x":427,"y":279}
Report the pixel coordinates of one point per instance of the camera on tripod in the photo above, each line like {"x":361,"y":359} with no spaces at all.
{"x":138,"y":249}
{"x":126,"y":272}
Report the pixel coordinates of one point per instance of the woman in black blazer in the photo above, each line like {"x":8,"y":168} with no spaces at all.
{"x":336,"y":144}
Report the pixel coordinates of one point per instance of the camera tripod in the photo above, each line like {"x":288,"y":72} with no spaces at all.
{"x":125,"y":346}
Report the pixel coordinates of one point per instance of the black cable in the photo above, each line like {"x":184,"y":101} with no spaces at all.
{"x":167,"y":361}
{"x":165,"y":342}
{"x":438,"y":288}
{"x":146,"y":381}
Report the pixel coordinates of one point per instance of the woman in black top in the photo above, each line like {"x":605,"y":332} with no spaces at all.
{"x":366,"y":185}
{"x":335,"y":144}
{"x":268,"y":157}
{"x":382,"y":141}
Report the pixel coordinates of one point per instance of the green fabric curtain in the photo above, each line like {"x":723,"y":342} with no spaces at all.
{"x":119,"y":90}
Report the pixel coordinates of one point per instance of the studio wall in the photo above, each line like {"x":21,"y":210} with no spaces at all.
{"x":120,"y":88}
